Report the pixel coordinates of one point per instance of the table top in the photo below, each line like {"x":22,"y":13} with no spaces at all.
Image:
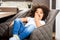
{"x":5,"y":14}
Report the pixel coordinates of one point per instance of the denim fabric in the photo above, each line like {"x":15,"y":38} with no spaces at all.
{"x":21,"y":30}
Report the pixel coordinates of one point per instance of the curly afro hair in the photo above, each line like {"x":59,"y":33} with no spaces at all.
{"x":44,"y":8}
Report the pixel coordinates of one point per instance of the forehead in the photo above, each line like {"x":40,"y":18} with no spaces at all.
{"x":39,"y":9}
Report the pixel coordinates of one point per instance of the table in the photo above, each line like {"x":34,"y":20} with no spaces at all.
{"x":5,"y":14}
{"x":7,"y":11}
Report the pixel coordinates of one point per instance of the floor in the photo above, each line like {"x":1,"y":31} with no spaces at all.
{"x":53,"y":35}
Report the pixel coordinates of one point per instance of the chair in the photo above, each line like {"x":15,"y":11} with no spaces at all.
{"x":45,"y":31}
{"x":42,"y":33}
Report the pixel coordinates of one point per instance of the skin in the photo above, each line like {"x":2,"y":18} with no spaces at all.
{"x":38,"y":16}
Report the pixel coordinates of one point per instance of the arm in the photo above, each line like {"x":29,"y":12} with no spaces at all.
{"x":37,"y":23}
{"x":24,"y":19}
{"x":37,"y":20}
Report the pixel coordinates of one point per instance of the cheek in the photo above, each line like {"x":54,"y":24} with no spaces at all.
{"x":41,"y":16}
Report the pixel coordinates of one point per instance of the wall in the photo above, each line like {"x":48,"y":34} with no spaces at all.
{"x":58,"y":21}
{"x":17,"y":0}
{"x":58,"y":26}
{"x":41,"y":2}
{"x":57,"y":4}
{"x":20,"y":5}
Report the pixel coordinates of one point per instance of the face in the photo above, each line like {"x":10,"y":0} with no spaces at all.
{"x":40,"y":13}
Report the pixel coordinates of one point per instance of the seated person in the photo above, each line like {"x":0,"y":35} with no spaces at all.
{"x":37,"y":19}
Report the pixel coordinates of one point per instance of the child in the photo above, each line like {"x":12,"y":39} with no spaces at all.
{"x":21,"y":31}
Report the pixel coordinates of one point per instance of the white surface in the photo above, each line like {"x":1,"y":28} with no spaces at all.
{"x":50,"y":4}
{"x":58,"y":26}
{"x":20,"y":5}
{"x":58,"y":21}
{"x":57,"y":4}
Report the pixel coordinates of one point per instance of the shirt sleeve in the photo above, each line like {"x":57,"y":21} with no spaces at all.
{"x":28,"y":19}
{"x":42,"y":22}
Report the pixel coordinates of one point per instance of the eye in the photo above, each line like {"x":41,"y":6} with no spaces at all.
{"x":36,"y":12}
{"x":41,"y":12}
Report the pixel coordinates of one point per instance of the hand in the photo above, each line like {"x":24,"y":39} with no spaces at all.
{"x":37,"y":18}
